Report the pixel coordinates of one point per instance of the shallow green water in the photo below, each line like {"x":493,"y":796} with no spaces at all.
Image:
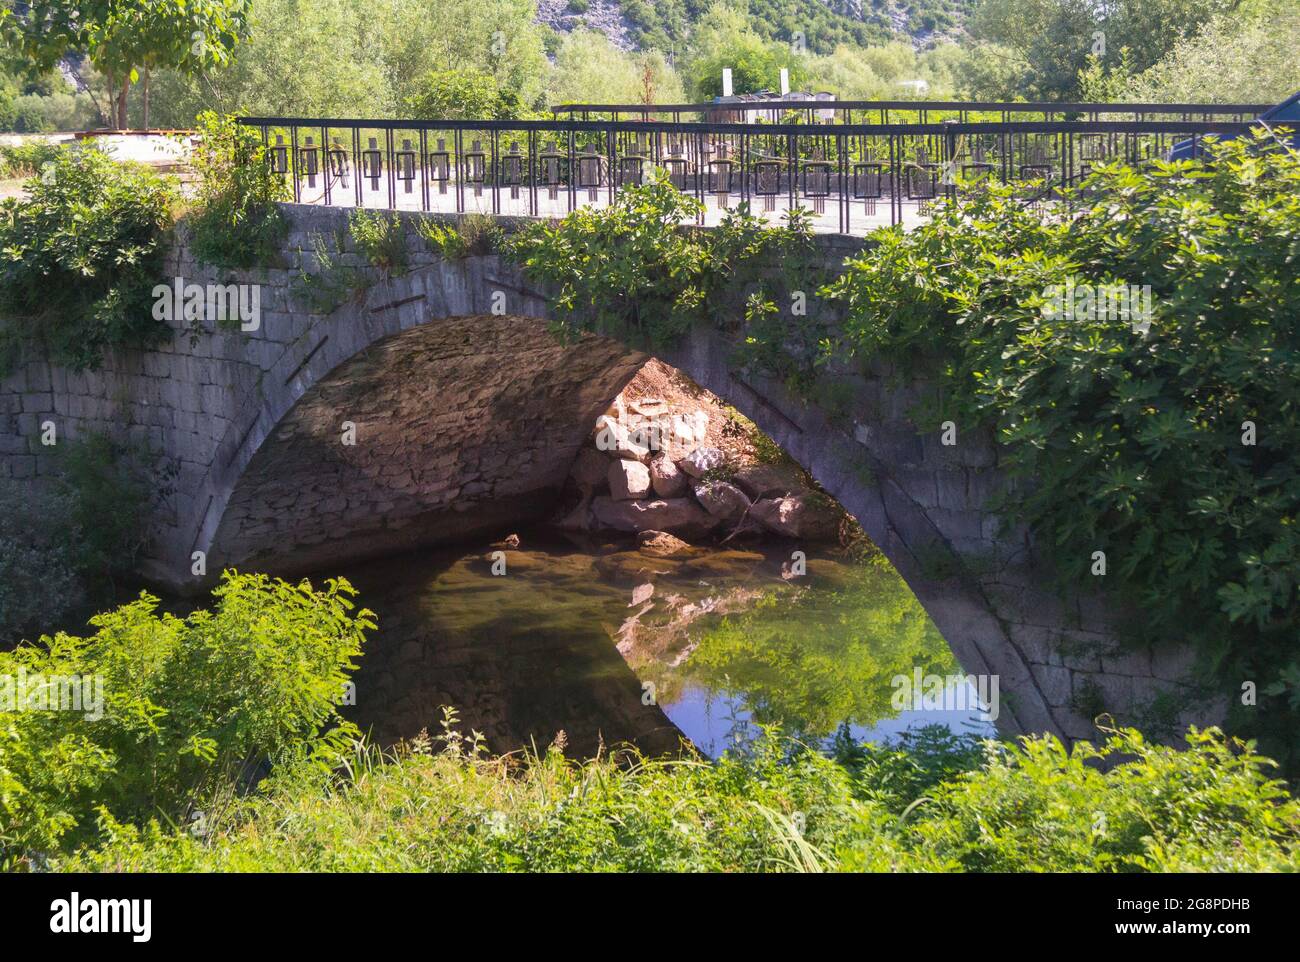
{"x":723,"y":642}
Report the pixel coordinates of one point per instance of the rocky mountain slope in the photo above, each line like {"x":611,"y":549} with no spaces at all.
{"x":823,"y":24}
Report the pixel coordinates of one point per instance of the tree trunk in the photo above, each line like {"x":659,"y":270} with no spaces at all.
{"x":121,"y":104}
{"x":146,"y":98}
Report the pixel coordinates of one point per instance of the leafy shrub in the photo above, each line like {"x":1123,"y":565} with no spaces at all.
{"x":235,"y":223}
{"x":1242,"y":56}
{"x":465,"y":93}
{"x":924,"y":805}
{"x":1133,"y":442}
{"x":27,"y":160}
{"x":380,"y":238}
{"x":898,"y":773}
{"x":80,"y":257}
{"x":635,"y":270}
{"x":474,"y":235}
{"x":188,"y":705}
{"x":1041,"y":807}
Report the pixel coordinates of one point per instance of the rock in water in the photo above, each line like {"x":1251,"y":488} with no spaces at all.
{"x":803,"y":516}
{"x":641,"y":594}
{"x":724,"y":501}
{"x":702,"y":460}
{"x":667,"y":481}
{"x":679,"y":516}
{"x":660,"y":544}
{"x":628,"y":480}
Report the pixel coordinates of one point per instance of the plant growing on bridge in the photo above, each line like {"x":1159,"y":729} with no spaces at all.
{"x":236,"y":222}
{"x":380,"y":239}
{"x":470,"y":236}
{"x":641,"y":271}
{"x":1176,"y":450}
{"x":79,"y":259}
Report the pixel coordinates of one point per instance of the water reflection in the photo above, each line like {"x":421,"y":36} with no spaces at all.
{"x":574,"y":638}
{"x":825,"y":659}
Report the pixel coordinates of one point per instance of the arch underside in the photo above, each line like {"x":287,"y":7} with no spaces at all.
{"x":462,"y":426}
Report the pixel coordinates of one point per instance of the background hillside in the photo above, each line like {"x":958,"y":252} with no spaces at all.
{"x":823,"y":24}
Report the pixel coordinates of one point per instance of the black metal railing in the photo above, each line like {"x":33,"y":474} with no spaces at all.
{"x":850,"y":177}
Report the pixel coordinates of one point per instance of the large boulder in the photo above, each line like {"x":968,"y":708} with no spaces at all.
{"x":702,"y":460}
{"x":648,"y":433}
{"x":666,"y":479}
{"x":679,"y":434}
{"x":806,"y":517}
{"x":679,"y":516}
{"x":724,"y":501}
{"x":628,"y":480}
{"x":590,"y":470}
{"x":769,"y":481}
{"x":612,"y":437}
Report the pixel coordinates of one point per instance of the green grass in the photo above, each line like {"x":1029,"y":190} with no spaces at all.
{"x":934,"y":803}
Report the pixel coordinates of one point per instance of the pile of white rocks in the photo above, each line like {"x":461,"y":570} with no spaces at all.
{"x":647,"y":468}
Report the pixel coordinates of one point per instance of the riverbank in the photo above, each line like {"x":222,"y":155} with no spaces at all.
{"x":932,"y":804}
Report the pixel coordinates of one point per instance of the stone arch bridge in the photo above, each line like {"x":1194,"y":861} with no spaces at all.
{"x":467,"y":422}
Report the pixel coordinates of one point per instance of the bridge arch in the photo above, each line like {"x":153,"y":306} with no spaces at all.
{"x":467,"y":421}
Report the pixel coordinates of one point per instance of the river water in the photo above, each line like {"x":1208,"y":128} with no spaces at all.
{"x":611,"y":645}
